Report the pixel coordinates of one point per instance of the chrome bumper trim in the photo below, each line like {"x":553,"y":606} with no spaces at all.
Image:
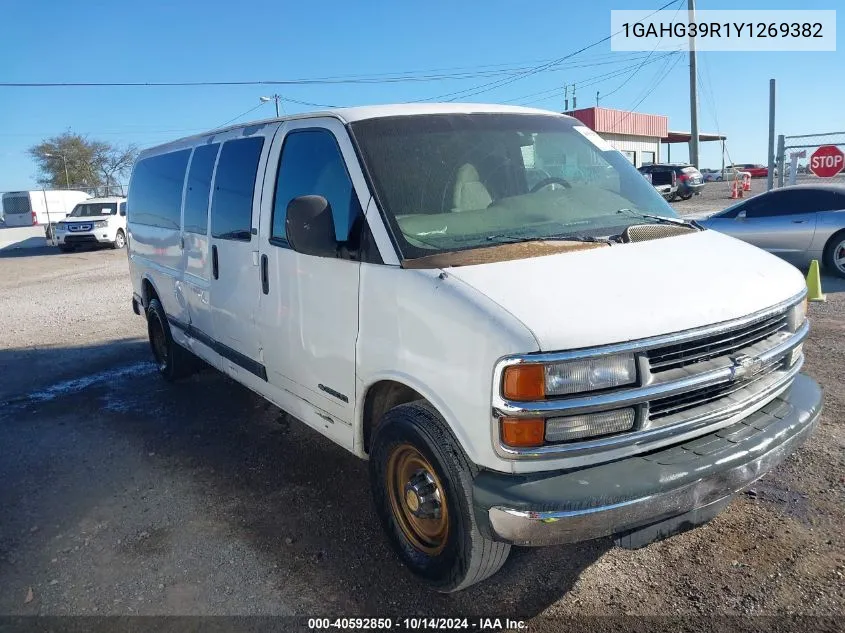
{"x":530,"y":528}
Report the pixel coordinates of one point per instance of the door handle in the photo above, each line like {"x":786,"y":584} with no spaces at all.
{"x":799,"y":221}
{"x":265,"y":278}
{"x":214,"y":267}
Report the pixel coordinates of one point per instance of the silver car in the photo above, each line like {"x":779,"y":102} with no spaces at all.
{"x":799,"y":224}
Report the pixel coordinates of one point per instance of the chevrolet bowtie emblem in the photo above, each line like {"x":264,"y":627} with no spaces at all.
{"x":745,"y":366}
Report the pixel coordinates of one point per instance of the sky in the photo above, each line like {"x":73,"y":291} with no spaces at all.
{"x":213,"y":40}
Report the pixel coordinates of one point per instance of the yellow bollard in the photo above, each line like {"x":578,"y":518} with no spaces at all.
{"x":814,"y":283}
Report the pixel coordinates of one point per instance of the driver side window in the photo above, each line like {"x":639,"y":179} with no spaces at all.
{"x":311,"y":164}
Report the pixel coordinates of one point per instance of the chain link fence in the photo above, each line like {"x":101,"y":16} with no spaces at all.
{"x":793,"y":157}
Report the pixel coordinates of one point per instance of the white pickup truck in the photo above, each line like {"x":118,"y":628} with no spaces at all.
{"x":491,"y":305}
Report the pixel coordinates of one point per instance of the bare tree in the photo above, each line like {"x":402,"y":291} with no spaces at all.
{"x":75,"y":162}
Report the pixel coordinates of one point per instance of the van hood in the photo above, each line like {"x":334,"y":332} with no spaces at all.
{"x":631,"y":291}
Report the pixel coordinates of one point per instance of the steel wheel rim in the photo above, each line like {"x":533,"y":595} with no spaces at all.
{"x":119,"y":239}
{"x":839,"y":256}
{"x":159,"y":343}
{"x":427,"y":535}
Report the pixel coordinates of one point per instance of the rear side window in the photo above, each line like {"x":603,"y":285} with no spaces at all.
{"x":199,"y":188}
{"x":312,"y":164}
{"x":16,"y":204}
{"x":234,"y":184}
{"x":155,"y":193}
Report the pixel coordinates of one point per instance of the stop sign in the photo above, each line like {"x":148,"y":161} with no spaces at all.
{"x":827,"y":161}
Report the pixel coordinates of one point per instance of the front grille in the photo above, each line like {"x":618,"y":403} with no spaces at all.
{"x":671,"y":405}
{"x":72,"y":239}
{"x":723,"y":344}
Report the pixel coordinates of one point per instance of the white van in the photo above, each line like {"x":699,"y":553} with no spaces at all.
{"x":95,"y":221}
{"x":30,"y":208}
{"x":492,"y":306}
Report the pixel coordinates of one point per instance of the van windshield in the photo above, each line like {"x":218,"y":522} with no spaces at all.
{"x":89,"y":210}
{"x":450,"y":182}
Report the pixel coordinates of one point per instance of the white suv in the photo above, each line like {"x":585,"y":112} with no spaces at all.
{"x":95,"y":221}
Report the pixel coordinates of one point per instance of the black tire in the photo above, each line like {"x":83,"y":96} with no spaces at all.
{"x":686,"y":196}
{"x":831,"y":249}
{"x":173,"y":360}
{"x":119,"y":240}
{"x":466,"y":557}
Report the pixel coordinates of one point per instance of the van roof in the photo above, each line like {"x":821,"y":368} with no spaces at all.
{"x":360,"y":113}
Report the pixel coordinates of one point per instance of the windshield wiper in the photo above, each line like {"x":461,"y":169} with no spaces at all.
{"x":661,"y":218}
{"x":514,"y":239}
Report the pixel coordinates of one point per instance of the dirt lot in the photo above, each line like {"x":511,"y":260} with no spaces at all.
{"x":125,"y":495}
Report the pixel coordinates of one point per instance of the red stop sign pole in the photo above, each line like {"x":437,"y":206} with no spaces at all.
{"x":827,"y":161}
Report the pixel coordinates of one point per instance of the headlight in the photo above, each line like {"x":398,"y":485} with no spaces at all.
{"x":797,"y":315}
{"x":101,"y":224}
{"x":578,"y":427}
{"x":534,"y":381}
{"x":60,"y":226}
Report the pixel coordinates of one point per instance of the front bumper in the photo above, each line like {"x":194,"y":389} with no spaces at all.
{"x":634,"y":493}
{"x":81,"y":239}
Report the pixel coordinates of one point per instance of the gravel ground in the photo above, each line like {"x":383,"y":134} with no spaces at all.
{"x":126,"y":495}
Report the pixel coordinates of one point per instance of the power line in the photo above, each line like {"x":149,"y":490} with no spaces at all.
{"x":648,"y":93}
{"x":587,"y":82}
{"x":232,"y":120}
{"x":487,"y":87}
{"x":633,"y":74}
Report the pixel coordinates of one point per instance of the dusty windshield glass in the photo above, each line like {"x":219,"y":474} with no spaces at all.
{"x":452,"y":182}
{"x":92,"y":210}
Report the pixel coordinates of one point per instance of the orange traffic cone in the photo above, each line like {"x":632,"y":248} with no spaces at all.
{"x":734,"y":191}
{"x":746,"y":182}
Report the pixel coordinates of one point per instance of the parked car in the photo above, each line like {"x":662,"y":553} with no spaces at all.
{"x":520,"y":365}
{"x":711,"y":175}
{"x":799,"y":223}
{"x":95,"y":221}
{"x":664,"y":182}
{"x":688,"y":179}
{"x":756,"y":170}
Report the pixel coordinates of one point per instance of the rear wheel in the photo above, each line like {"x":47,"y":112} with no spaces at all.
{"x":834,"y":254}
{"x":173,"y":360}
{"x":119,"y":239}
{"x":422,"y":487}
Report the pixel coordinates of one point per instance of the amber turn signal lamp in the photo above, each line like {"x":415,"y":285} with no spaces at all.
{"x":524,"y":382}
{"x":523,"y":432}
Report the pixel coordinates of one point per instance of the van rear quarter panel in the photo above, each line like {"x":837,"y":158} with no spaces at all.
{"x":442,"y":338}
{"x":155,"y":253}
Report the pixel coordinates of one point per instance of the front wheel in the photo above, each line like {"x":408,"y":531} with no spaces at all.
{"x":422,"y":487}
{"x":119,"y":240}
{"x":834,"y":254}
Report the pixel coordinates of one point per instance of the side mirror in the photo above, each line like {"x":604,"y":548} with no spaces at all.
{"x":309,"y":226}
{"x":741,"y":215}
{"x":123,"y":213}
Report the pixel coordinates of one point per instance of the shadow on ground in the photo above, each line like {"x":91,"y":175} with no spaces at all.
{"x":263,"y":480}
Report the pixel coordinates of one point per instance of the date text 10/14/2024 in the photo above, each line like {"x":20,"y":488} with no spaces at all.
{"x":415,"y":624}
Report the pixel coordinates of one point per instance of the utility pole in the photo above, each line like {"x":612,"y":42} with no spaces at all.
{"x":597,"y":98}
{"x":275,"y":98}
{"x":693,"y":93}
{"x":770,"y":178}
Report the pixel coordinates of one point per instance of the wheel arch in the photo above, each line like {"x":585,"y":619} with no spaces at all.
{"x":386,"y":391}
{"x":148,"y":291}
